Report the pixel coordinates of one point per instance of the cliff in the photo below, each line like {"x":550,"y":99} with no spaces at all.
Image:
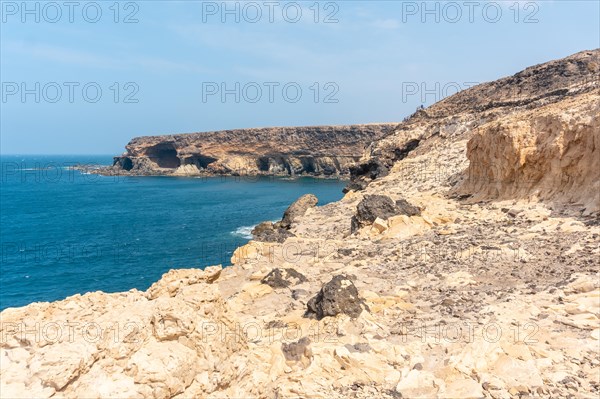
{"x":549,"y":108}
{"x":309,"y":150}
{"x":461,"y":263}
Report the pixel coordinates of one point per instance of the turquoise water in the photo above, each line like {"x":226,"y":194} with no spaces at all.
{"x":64,"y":232}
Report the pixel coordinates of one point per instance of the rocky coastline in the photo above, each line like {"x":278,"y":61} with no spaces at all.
{"x":462,"y":262}
{"x":318,"y":151}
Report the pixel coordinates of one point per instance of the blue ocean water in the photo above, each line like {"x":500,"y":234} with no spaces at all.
{"x":64,"y":232}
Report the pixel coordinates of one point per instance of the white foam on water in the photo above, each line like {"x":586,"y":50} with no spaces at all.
{"x":244,"y":232}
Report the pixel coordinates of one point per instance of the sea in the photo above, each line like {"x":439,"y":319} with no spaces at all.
{"x":66,"y":232}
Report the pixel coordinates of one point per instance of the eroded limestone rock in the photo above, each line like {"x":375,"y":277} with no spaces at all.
{"x":490,"y":292}
{"x":297,"y":209}
{"x":279,"y":231}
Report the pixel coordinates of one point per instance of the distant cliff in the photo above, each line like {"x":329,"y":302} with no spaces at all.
{"x":310,"y":150}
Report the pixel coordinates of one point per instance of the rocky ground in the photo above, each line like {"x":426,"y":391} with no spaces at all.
{"x":461,"y":263}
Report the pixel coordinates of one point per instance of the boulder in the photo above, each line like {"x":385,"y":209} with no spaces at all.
{"x":283,"y":278}
{"x":262,"y":228}
{"x":372,"y":207}
{"x":337,"y":296}
{"x":405,"y":208}
{"x":380,"y":225}
{"x":279,"y":232}
{"x":297,"y":209}
{"x":269,"y":232}
{"x":175,"y":280}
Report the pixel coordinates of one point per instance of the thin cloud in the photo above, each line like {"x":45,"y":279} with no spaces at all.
{"x":86,"y":59}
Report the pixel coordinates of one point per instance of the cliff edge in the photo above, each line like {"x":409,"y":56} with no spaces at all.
{"x":285,"y":151}
{"x":461,"y":263}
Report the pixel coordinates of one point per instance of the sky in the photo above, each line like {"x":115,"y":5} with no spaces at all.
{"x":85,"y":77}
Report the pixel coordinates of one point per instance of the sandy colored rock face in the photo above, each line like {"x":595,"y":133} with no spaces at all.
{"x":491,"y":289}
{"x":151,"y":344}
{"x":550,"y":152}
{"x":279,"y":151}
{"x":298,"y":209}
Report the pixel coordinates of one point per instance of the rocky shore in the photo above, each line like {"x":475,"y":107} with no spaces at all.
{"x":275,"y":151}
{"x":461,"y":263}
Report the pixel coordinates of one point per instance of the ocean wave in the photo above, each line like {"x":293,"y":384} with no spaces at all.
{"x":244,"y":232}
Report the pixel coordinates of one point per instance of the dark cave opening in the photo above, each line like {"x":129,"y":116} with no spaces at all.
{"x":126,"y":163}
{"x":308,"y":165}
{"x":401,"y":153}
{"x":164,"y":155}
{"x":201,"y":161}
{"x":263,"y":164}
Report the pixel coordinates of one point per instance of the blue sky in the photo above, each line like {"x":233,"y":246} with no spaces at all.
{"x":163,"y":71}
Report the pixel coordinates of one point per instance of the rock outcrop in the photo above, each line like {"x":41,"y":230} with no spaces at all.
{"x":132,"y":344}
{"x":285,"y":151}
{"x":338,"y":296}
{"x":298,"y":209}
{"x":373,"y":207}
{"x":552,"y":152}
{"x":573,"y":79}
{"x":280,"y":231}
{"x":473,"y":273}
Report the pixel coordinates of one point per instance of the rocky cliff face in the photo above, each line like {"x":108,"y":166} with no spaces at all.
{"x":553,"y":105}
{"x":310,"y":150}
{"x":549,"y":153}
{"x":461,"y":263}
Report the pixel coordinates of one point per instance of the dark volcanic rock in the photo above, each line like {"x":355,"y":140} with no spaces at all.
{"x":262,"y":228}
{"x":363,"y":173}
{"x":269,"y":232}
{"x":357,"y":184}
{"x":361,"y":347}
{"x":297,"y":209}
{"x":373,"y":169}
{"x":283,"y":278}
{"x":372,"y":207}
{"x":337,"y":296}
{"x":405,"y":208}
